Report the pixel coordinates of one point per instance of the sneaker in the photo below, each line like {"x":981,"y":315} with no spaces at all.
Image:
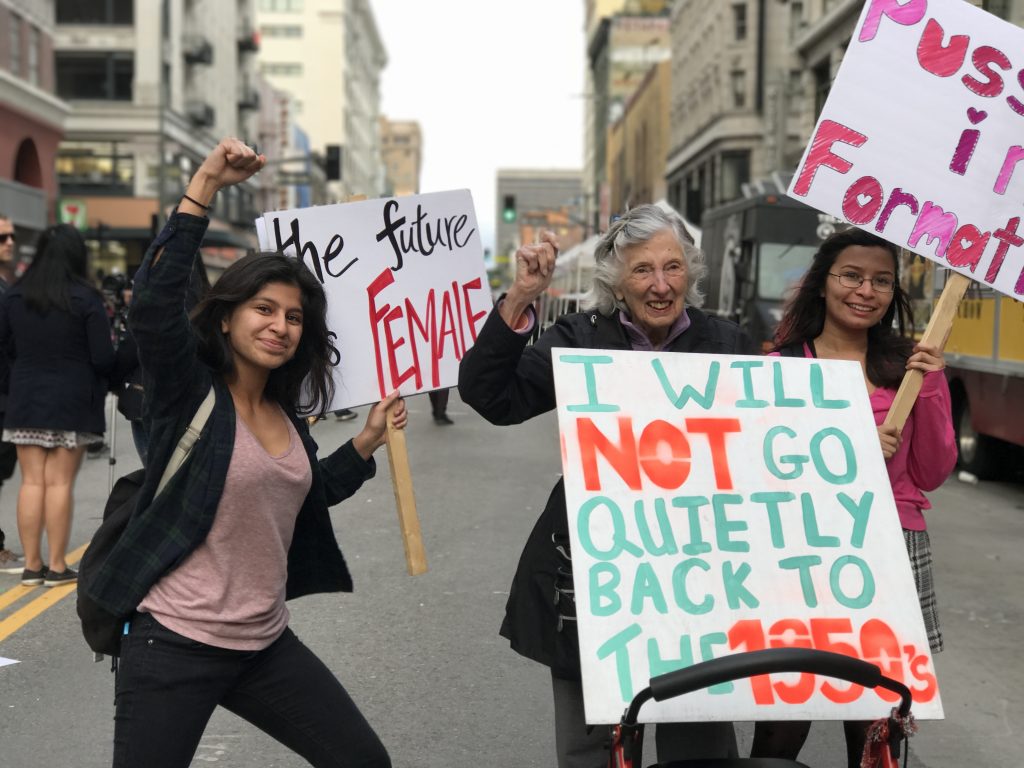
{"x":345,"y":414}
{"x":33,"y":578}
{"x":442,"y":420}
{"x":8,"y":557}
{"x":54,"y":579}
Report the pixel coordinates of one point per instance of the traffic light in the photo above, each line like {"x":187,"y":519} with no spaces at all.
{"x":332,"y":165}
{"x":508,"y":210}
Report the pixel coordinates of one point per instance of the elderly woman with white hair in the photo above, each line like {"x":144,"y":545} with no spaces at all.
{"x":645,"y":296}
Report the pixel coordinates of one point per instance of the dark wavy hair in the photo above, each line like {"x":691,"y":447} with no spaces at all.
{"x":803,"y":317}
{"x":60,"y":261}
{"x":304,"y":383}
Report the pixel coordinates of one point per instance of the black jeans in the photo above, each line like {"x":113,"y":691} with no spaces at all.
{"x":168,"y":686}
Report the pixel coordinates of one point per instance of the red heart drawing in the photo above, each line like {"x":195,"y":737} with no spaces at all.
{"x":976,"y":115}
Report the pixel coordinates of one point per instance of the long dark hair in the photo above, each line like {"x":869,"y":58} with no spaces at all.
{"x":804,"y":315}
{"x":59,"y":262}
{"x":315,"y":353}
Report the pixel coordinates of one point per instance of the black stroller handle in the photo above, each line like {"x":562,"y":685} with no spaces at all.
{"x":741,"y":665}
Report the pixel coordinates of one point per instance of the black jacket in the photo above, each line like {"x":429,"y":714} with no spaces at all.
{"x":165,"y":529}
{"x":58,"y":362}
{"x":508,"y":382}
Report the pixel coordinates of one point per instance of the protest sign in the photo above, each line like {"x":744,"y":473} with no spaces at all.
{"x":406,"y":287}
{"x":720,"y":504}
{"x":920,"y":138}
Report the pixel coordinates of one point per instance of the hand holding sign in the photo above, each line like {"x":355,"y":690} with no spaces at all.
{"x":919,"y":141}
{"x":407,"y":290}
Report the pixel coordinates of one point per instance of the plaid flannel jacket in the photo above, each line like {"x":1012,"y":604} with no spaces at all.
{"x":164,"y":530}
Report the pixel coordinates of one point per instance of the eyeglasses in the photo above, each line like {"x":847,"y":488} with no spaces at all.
{"x":5,"y":236}
{"x":853,"y":280}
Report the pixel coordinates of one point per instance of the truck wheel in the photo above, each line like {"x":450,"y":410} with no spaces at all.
{"x":979,"y":454}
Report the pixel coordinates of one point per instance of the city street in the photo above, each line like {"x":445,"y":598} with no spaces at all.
{"x":422,"y":656}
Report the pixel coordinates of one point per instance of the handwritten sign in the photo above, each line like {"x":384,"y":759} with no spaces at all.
{"x":921,"y":141}
{"x":720,"y":504}
{"x":406,"y":287}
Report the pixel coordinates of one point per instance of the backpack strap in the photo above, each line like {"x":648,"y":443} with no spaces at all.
{"x":188,"y":440}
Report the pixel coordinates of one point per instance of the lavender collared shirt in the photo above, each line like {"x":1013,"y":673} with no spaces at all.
{"x":639,"y":341}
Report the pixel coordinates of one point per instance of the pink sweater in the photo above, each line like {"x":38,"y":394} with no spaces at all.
{"x":928,"y":452}
{"x":229,"y":592}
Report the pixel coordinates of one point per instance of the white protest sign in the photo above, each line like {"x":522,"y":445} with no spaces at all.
{"x":720,"y":504}
{"x":406,"y":287}
{"x":922,"y":137}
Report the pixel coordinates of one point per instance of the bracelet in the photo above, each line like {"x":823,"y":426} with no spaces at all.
{"x":196,"y":202}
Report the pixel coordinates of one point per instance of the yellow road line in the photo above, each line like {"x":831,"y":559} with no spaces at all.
{"x":13,"y":595}
{"x":26,"y":613}
{"x":30,"y":610}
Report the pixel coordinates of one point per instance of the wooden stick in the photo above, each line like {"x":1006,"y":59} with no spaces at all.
{"x":937,"y":333}
{"x":401,"y":479}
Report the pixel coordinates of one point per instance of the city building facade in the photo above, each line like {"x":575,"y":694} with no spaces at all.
{"x":622,"y":46}
{"x":402,"y":152}
{"x":736,"y":96}
{"x":31,"y":116}
{"x":638,"y":143}
{"x":153,"y":85}
{"x":328,"y":56}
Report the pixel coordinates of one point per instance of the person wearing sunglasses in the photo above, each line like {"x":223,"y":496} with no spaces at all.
{"x":8,"y":453}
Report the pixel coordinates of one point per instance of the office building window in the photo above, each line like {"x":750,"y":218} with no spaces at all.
{"x":34,"y":42}
{"x":103,"y":76}
{"x":281,"y":6}
{"x":738,"y":82}
{"x":95,"y":166}
{"x":15,"y":44}
{"x":1000,"y":8}
{"x":95,"y":12}
{"x":796,"y":19}
{"x":281,"y":30}
{"x":285,"y":68}
{"x":739,"y":20}
{"x":735,"y":173}
{"x":822,"y":75}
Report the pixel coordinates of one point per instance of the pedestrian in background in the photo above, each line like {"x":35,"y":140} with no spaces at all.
{"x":55,"y":333}
{"x":644,"y":296}
{"x":126,"y":379}
{"x":8,"y":453}
{"x":439,"y":407}
{"x":845,"y":308}
{"x":205,"y":568}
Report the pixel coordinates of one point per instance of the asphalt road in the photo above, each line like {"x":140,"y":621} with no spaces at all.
{"x":421,"y":655}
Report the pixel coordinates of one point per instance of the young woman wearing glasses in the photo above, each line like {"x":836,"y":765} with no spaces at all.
{"x":850,"y":306}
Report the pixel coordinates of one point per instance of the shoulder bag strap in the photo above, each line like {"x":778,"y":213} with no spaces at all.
{"x":184,"y":447}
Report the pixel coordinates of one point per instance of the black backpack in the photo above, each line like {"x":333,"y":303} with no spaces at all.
{"x":102,"y":629}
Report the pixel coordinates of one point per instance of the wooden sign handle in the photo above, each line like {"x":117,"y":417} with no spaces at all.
{"x":937,"y":333}
{"x":401,"y":479}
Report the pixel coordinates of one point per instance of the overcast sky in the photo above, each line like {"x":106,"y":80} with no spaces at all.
{"x":492,"y":85}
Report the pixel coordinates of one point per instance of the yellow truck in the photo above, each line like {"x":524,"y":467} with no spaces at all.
{"x":985,"y":368}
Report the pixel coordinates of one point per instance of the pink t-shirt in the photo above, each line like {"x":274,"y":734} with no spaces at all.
{"x":229,"y":592}
{"x":928,"y":452}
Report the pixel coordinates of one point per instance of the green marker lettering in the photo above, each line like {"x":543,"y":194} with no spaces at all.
{"x":588,"y":362}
